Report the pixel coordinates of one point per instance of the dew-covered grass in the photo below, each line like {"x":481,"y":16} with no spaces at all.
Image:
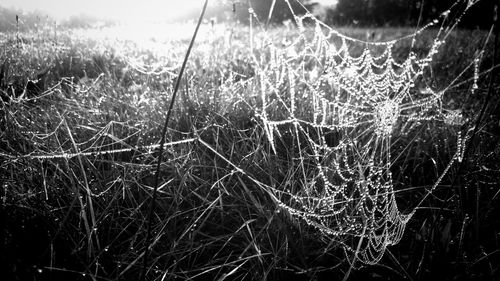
{"x":81,"y":114}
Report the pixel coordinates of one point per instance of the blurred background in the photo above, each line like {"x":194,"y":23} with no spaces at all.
{"x":352,"y":13}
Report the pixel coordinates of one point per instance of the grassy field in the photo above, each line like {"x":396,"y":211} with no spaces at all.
{"x":81,"y":118}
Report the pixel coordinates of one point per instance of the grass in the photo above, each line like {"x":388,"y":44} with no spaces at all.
{"x":85,"y":217}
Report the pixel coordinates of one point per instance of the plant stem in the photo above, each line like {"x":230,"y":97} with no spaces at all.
{"x":162,"y":143}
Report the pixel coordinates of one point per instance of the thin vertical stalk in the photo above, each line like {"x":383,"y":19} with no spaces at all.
{"x":470,"y":203}
{"x":466,"y":201}
{"x":18,"y":41}
{"x":270,"y":14}
{"x":162,"y":144}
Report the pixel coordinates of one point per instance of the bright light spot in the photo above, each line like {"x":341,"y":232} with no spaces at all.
{"x":155,"y":36}
{"x":123,"y":10}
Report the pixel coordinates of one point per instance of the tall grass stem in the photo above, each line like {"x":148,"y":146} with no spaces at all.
{"x":162,"y":143}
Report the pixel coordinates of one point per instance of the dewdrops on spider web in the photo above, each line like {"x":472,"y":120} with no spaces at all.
{"x":325,"y":81}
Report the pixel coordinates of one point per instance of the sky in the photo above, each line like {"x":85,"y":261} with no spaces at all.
{"x":114,"y":9}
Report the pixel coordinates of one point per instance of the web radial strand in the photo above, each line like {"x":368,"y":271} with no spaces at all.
{"x":344,"y":99}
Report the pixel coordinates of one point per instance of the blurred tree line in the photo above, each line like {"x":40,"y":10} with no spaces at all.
{"x":356,"y":12}
{"x":8,"y":20}
{"x":407,"y":12}
{"x":12,"y":19}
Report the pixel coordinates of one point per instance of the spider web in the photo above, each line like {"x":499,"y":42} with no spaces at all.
{"x":343,"y":100}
